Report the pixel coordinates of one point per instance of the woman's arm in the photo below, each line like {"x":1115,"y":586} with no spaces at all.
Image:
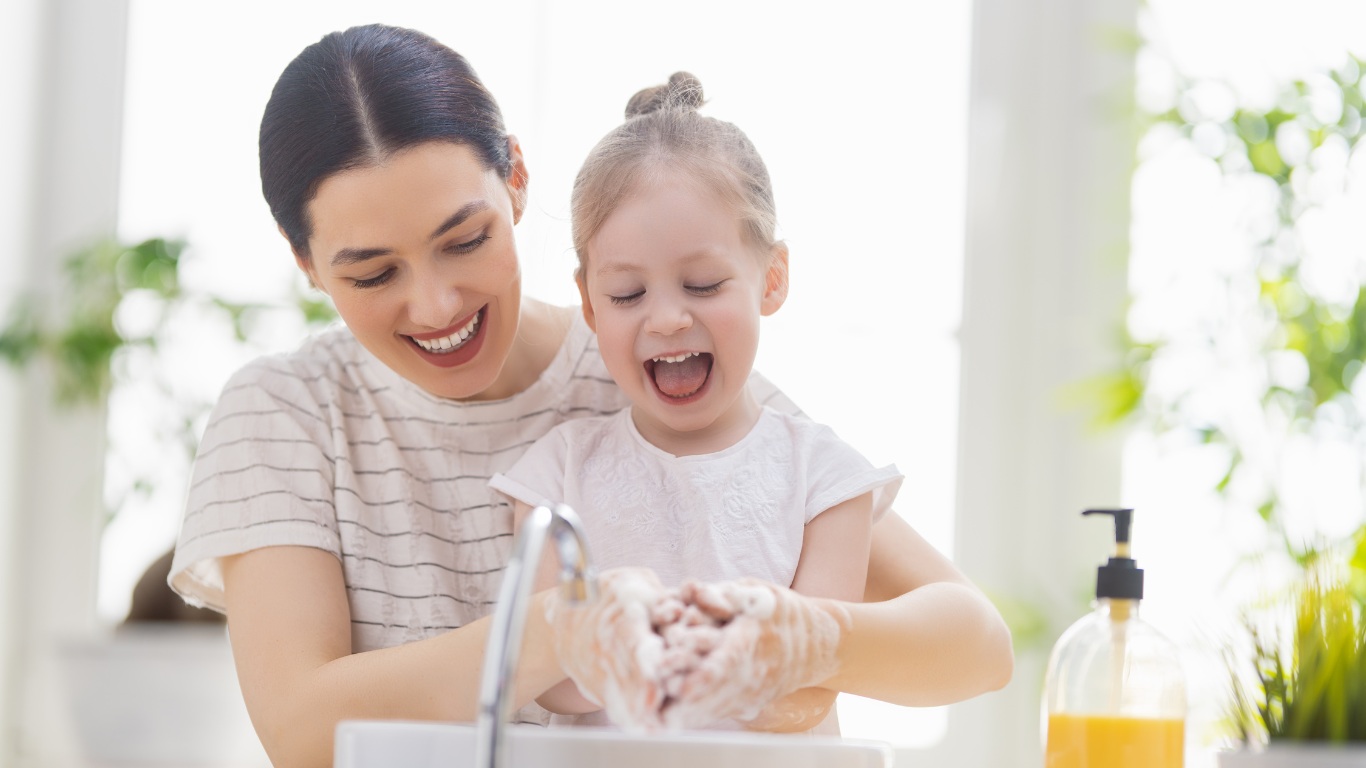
{"x":565,"y":697}
{"x":926,"y":635}
{"x":290,"y":628}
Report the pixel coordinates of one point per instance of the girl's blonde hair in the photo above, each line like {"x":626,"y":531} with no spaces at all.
{"x":663,"y":131}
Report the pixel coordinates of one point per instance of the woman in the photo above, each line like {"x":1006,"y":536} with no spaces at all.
{"x":339,"y":513}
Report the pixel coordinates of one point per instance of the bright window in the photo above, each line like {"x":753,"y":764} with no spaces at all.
{"x":1194,"y":237}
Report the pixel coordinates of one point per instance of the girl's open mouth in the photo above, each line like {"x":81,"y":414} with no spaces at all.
{"x":680,"y":378}
{"x":456,"y":347}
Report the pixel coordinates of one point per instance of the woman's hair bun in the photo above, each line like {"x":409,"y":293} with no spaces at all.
{"x":683,"y":91}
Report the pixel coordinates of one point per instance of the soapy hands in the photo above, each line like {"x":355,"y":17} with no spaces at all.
{"x":658,"y":658}
{"x":775,"y":641}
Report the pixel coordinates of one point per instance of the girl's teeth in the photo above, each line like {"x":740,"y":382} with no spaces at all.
{"x":448,"y":343}
{"x":676,"y":358}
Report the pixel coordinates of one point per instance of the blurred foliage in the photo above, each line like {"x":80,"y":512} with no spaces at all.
{"x":75,"y":330}
{"x":81,"y":345}
{"x":1307,"y":138}
{"x":1308,"y":683}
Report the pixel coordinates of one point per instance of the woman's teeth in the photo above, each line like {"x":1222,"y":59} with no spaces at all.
{"x":452,"y":342}
{"x":675,"y":358}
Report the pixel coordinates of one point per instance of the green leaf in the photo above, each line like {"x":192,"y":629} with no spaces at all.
{"x":1266,"y":160}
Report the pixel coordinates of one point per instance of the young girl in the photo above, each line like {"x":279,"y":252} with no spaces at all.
{"x":674,"y":222}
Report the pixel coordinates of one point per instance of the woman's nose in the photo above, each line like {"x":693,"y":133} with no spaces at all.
{"x":433,"y":302}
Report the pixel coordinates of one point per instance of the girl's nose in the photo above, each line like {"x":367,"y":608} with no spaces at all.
{"x":668,"y":317}
{"x":433,"y":302}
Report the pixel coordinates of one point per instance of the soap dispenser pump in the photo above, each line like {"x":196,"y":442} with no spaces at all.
{"x":1114,"y":695}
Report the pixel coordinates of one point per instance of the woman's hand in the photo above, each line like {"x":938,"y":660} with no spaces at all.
{"x":609,"y":648}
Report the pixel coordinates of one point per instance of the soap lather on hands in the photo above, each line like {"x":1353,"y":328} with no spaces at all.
{"x":657,"y":658}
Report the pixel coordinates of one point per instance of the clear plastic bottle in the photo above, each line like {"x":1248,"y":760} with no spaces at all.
{"x":1114,"y":695}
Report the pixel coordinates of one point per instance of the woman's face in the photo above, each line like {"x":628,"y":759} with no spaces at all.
{"x":418,"y":256}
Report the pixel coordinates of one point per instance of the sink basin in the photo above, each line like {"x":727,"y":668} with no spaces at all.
{"x":399,"y":744}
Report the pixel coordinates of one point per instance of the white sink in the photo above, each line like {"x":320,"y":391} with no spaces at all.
{"x":398,"y":744}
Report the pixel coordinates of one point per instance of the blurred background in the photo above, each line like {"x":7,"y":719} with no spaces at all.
{"x":1046,"y":255}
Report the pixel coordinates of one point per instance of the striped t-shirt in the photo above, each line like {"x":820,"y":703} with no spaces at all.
{"x":327,"y":447}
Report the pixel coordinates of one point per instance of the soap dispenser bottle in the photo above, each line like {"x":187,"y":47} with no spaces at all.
{"x":1114,"y":695}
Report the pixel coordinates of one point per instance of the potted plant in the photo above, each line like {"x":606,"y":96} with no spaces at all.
{"x":1301,"y":701}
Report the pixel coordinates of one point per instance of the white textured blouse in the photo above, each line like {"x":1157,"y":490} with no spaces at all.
{"x":738,"y":512}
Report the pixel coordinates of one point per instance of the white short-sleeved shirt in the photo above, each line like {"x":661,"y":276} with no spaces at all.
{"x":739,"y":512}
{"x":327,"y":447}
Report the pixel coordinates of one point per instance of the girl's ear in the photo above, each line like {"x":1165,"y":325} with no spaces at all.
{"x":518,"y":180}
{"x":775,"y":282}
{"x":304,"y":263}
{"x":584,"y":303}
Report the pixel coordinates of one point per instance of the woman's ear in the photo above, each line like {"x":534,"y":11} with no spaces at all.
{"x":584,"y":303}
{"x":304,"y":263}
{"x":518,"y":179}
{"x":775,"y":281}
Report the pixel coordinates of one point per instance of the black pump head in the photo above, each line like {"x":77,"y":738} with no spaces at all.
{"x":1123,"y":521}
{"x":1120,"y":578}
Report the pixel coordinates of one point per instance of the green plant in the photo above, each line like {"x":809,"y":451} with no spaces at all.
{"x":1311,"y":686}
{"x":1284,"y":319}
{"x":119,"y":300}
{"x":77,"y":333}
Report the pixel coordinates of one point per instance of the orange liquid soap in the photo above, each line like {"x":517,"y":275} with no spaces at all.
{"x":1101,"y":741}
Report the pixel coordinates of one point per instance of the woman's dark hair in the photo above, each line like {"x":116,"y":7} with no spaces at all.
{"x":357,"y":96}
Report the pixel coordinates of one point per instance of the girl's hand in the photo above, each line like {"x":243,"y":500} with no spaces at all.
{"x":773,"y":641}
{"x":609,"y":648}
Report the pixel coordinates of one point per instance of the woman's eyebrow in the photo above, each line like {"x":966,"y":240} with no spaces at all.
{"x":355,"y":255}
{"x":348,"y":256}
{"x":467,"y":210}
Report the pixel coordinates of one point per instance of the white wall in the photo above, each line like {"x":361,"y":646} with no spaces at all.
{"x":62,"y":86}
{"x":1050,"y":153}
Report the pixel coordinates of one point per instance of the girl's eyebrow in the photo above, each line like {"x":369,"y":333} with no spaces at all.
{"x":348,"y":256}
{"x":612,"y":268}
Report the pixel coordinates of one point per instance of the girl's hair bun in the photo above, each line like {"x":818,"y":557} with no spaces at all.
{"x":683,"y":91}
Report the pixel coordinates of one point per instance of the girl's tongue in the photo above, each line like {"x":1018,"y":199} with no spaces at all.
{"x":682,"y":379}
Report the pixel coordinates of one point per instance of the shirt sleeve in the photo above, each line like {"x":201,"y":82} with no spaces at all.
{"x":836,"y":472}
{"x":263,"y":476}
{"x":537,"y":479}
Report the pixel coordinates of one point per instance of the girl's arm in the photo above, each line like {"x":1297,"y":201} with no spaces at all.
{"x":290,"y":628}
{"x":833,"y":564}
{"x":932,"y":638}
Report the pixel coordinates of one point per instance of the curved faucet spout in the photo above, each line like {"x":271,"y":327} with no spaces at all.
{"x":504,"y":646}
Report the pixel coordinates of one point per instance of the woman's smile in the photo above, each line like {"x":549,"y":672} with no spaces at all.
{"x":453,"y":346}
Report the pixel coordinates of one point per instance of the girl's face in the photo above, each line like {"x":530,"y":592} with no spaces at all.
{"x":418,"y":256}
{"x":675,"y":292}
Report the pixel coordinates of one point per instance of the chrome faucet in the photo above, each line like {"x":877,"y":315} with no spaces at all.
{"x":577,"y":583}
